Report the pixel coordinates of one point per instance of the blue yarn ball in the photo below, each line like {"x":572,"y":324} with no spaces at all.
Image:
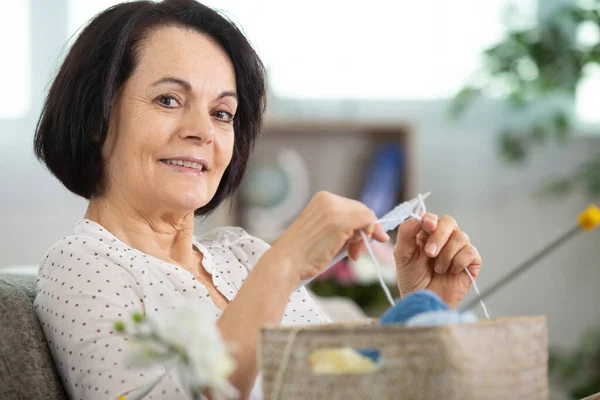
{"x":413,"y":304}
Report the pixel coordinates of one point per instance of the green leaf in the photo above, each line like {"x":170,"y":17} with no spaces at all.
{"x":586,"y":387}
{"x":539,"y":133}
{"x":516,"y":99}
{"x":462,"y":100}
{"x":512,"y":147}
{"x":588,"y":174}
{"x":138,"y":317}
{"x":593,"y":55}
{"x":562,"y":124}
{"x":592,"y":185}
{"x":120,"y":326}
{"x":571,"y":366}
{"x":579,"y":370}
{"x":558,"y":186}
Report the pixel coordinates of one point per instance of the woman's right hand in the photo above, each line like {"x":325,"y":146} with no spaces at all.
{"x":324,"y":227}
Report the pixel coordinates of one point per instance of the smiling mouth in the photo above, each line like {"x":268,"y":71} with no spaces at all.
{"x":187,"y":164}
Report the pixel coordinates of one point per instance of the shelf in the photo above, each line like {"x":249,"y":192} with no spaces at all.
{"x":334,"y":128}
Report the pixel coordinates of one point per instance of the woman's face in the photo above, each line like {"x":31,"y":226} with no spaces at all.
{"x":171,"y":133}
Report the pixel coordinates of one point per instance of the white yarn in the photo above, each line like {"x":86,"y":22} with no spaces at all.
{"x":415,"y":214}
{"x":485,"y":311}
{"x":374,"y":259}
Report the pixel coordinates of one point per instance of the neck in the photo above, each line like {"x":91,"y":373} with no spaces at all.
{"x":164,"y":235}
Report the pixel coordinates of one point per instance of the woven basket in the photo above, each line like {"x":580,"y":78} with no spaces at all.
{"x":504,"y":358}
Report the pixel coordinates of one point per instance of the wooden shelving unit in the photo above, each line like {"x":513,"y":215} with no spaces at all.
{"x":338,"y":154}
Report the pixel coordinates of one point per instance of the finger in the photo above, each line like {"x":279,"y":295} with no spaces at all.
{"x":379,"y":234}
{"x":375,"y":233}
{"x":430,"y":221}
{"x":356,"y":249}
{"x":468,"y":256}
{"x":406,"y":241}
{"x":440,"y":236}
{"x":355,"y":215}
{"x":407,"y":233}
{"x":355,"y":238}
{"x":457,"y":241}
{"x":474,"y":269}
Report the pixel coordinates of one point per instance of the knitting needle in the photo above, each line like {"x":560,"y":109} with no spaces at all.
{"x":588,"y":220}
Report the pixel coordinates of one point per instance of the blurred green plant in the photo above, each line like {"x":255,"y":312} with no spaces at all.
{"x":579,"y":371}
{"x":537,"y":71}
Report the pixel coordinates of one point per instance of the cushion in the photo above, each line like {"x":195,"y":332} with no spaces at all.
{"x":27,"y":370}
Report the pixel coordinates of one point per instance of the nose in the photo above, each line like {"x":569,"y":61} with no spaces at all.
{"x":199,"y":127}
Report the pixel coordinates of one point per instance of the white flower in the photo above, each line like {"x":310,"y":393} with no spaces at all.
{"x":145,"y":353}
{"x":189,"y":343}
{"x":194,"y":329}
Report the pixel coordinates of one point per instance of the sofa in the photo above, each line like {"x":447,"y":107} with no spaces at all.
{"x":27,"y":370}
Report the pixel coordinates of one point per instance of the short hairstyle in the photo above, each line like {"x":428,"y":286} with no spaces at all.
{"x":75,"y":117}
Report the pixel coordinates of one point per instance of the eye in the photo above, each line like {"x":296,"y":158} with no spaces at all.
{"x":167,"y":101}
{"x":223,"y":116}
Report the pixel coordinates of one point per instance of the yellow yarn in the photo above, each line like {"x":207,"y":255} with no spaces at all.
{"x":340,"y":361}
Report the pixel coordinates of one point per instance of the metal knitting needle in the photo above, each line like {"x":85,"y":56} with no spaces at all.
{"x":587,"y":221}
{"x":523,"y":267}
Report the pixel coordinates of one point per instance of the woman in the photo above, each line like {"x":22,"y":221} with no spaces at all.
{"x":152,"y":117}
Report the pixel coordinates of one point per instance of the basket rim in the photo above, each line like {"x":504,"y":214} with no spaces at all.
{"x":369,"y":325}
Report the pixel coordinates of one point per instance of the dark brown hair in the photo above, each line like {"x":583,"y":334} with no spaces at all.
{"x":75,"y":118}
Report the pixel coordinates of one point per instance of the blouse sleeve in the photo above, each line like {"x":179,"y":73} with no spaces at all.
{"x":302,"y":308}
{"x":79,"y":298}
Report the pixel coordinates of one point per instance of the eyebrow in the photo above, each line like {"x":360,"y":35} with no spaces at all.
{"x":188,"y":87}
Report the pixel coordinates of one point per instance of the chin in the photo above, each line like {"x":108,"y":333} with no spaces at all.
{"x":194,"y":204}
{"x":187,"y":202}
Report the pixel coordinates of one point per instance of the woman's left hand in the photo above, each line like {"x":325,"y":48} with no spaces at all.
{"x":435,"y":261}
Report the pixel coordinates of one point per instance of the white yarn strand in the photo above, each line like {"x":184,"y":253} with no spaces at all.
{"x":374,"y":259}
{"x":483,"y":307}
{"x":420,"y":208}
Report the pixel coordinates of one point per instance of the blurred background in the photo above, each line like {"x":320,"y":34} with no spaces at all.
{"x":490,"y":105}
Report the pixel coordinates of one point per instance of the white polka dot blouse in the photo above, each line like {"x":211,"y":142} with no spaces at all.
{"x":90,"y":280}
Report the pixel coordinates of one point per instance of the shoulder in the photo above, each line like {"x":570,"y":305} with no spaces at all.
{"x":88,"y":238}
{"x":86,"y":254}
